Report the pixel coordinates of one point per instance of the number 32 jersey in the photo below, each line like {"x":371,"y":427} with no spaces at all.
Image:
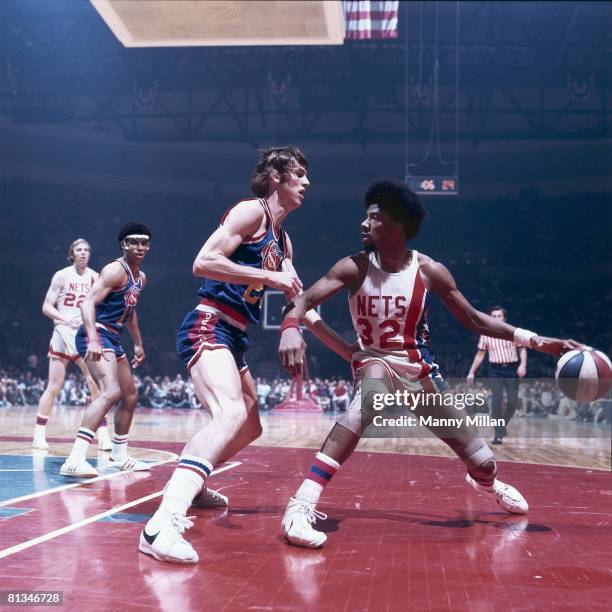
{"x":389,"y":313}
{"x":76,"y":286}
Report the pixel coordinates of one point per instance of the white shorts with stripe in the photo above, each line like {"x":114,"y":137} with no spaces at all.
{"x":400,"y":375}
{"x":62,"y":343}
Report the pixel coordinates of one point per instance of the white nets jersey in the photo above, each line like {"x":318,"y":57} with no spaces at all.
{"x":75,"y":288}
{"x":389,"y":313}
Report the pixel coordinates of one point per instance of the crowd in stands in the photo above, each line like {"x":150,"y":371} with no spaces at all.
{"x":551,"y":285}
{"x":537,"y":398}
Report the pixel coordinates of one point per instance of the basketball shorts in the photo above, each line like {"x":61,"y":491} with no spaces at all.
{"x":204,"y":329}
{"x":393,"y":375}
{"x":108,"y":341}
{"x":62,"y":343}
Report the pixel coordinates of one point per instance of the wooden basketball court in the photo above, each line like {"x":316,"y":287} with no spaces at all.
{"x":405,"y":532}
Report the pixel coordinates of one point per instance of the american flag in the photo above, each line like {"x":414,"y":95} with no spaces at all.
{"x":370,"y":19}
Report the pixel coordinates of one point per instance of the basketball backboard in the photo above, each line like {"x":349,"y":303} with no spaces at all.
{"x":273,"y":304}
{"x":180,"y":23}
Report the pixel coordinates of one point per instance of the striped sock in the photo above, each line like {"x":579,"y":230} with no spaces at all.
{"x":186,"y":482}
{"x":81,"y":444}
{"x":120,"y":444}
{"x":40,"y":428}
{"x":320,"y":473}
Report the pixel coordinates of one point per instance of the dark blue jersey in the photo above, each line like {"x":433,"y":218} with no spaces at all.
{"x":119,"y":305}
{"x":265,"y":251}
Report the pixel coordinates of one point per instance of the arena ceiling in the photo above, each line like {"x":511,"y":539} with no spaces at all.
{"x":522,"y":71}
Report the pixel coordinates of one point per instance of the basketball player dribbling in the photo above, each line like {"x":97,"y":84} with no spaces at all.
{"x":67,"y":290}
{"x":108,"y":308}
{"x":389,"y":289}
{"x":249,"y":252}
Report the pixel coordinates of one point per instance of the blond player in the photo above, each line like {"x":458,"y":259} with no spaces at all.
{"x":68,"y":289}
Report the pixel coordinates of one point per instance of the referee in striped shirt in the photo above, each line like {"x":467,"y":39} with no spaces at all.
{"x":506,"y":365}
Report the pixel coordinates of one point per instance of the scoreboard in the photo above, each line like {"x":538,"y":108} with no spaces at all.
{"x":433,"y":185}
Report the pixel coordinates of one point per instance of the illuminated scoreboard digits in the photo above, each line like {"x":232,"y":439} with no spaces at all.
{"x":434,"y":185}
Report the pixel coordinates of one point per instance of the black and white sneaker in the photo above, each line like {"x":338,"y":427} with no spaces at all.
{"x":165,"y":542}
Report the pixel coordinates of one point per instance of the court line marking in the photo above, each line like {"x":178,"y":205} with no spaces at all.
{"x":497,"y":459}
{"x":74,"y":485}
{"x":7,"y":552}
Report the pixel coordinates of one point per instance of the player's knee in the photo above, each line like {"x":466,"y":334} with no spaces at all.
{"x":131,"y":398}
{"x":112,"y":394}
{"x":54,"y":388}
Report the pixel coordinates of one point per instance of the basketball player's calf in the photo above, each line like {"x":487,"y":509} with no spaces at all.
{"x":339,"y":445}
{"x":116,"y":383}
{"x":250,"y":431}
{"x":482,"y":474}
{"x":162,"y":537}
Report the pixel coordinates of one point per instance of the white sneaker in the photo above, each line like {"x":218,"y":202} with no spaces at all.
{"x":508,"y":498}
{"x":78,"y":469}
{"x":168,"y":544}
{"x":128,"y":464}
{"x":40,"y":443}
{"x":297,"y":524}
{"x":209,"y":498}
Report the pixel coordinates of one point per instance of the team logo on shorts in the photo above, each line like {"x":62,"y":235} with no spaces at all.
{"x":271,"y":257}
{"x":131,"y":296}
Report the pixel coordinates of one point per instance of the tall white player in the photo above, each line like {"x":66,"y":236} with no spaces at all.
{"x":68,"y":289}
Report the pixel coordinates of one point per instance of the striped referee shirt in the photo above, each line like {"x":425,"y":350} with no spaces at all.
{"x":500,"y":351}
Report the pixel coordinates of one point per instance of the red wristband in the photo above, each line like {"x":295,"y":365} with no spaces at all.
{"x":290,"y":322}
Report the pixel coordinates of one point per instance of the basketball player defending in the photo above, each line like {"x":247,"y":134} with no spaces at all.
{"x":390,"y":286}
{"x":108,"y":307}
{"x":68,"y":289}
{"x":249,"y":252}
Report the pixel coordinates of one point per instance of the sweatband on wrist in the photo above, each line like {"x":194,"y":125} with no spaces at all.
{"x":312,"y":316}
{"x":288,"y":323}
{"x":522,"y":337}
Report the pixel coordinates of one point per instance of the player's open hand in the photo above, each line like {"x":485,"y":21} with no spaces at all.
{"x":287,"y":282}
{"x":555,"y":346}
{"x":139,"y":355}
{"x":291,"y":350}
{"x":94,"y":351}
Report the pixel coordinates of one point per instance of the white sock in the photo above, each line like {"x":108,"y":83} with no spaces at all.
{"x":119,"y":444}
{"x":320,"y":474}
{"x":180,"y":491}
{"x":309,"y":491}
{"x":103,"y":433}
{"x":40,"y":428}
{"x":81,"y":444}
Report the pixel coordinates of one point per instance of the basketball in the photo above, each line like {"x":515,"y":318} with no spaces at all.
{"x":584,"y":376}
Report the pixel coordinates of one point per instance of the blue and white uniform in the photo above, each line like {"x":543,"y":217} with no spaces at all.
{"x":225,"y":310}
{"x":111,"y":315}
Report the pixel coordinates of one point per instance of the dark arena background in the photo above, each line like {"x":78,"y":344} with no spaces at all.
{"x":499,"y":114}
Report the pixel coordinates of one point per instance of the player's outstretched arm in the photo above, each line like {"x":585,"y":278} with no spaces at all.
{"x":112,"y":276}
{"x":313,"y":321}
{"x":243,"y":222}
{"x":443,"y":284}
{"x":344,"y":274}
